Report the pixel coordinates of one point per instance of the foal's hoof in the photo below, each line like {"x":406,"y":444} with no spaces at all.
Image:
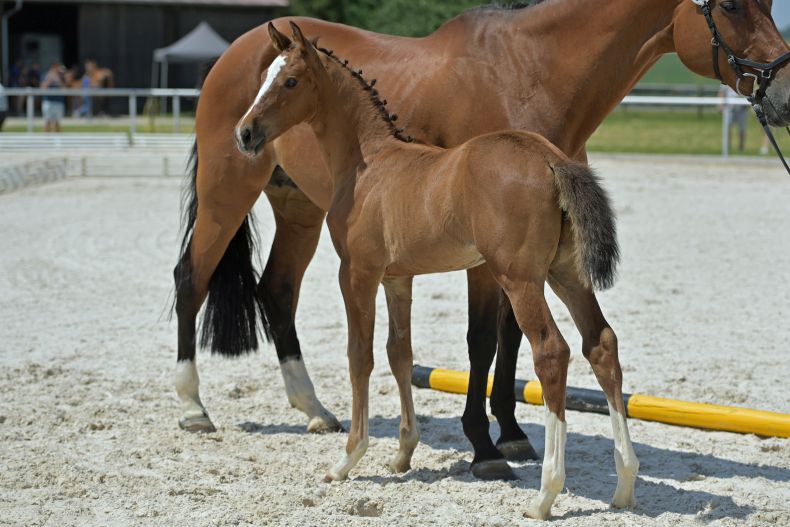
{"x":324,"y":425}
{"x":624,"y":501}
{"x":493,"y":469}
{"x":400,"y":464}
{"x":331,"y":476}
{"x":197,"y":425}
{"x":518,"y":450}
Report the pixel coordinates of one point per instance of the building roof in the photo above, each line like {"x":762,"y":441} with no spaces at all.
{"x":199,"y":45}
{"x":227,"y":3}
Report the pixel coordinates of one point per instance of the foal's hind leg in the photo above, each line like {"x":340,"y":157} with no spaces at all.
{"x":600,"y":348}
{"x":550,"y":354}
{"x":359,"y":294}
{"x":399,"y":353}
{"x":299,"y":224}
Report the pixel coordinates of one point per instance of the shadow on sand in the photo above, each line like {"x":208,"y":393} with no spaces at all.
{"x":589,"y":467}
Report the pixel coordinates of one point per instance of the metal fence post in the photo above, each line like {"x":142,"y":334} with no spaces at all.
{"x":726,"y":119}
{"x":176,"y":113}
{"x":30,"y":110}
{"x":132,"y":114}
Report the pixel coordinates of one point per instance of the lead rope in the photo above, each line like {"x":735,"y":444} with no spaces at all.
{"x":760,"y":113}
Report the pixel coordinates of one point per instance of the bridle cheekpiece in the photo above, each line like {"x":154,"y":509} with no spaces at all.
{"x":762,"y":79}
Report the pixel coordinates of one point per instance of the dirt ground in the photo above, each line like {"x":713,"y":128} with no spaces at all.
{"x":88,"y":413}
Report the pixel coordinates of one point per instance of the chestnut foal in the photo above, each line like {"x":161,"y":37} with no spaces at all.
{"x":510,"y":199}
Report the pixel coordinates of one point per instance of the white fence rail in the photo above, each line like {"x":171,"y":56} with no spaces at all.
{"x":175,"y":95}
{"x":132,"y":95}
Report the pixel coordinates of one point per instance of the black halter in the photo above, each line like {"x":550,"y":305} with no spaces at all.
{"x":764,"y":76}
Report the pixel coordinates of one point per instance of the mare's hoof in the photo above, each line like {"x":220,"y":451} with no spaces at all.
{"x":518,"y":450}
{"x":324,"y":425}
{"x":493,"y":469}
{"x":197,"y":425}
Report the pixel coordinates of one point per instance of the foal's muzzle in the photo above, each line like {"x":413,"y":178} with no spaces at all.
{"x":249,"y":139}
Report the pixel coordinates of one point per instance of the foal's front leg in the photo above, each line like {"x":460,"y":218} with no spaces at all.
{"x":359,"y":294}
{"x":399,"y":353}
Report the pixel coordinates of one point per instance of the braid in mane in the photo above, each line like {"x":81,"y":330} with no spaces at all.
{"x":379,"y":103}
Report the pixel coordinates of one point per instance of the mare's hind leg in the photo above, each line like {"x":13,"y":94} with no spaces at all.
{"x":512,"y":442}
{"x":359,"y":294}
{"x":299,"y":223}
{"x":600,"y":348}
{"x":399,"y":353}
{"x":225,"y":188}
{"x":488,"y":462}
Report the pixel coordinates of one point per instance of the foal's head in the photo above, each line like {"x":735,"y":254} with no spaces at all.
{"x":288,"y":93}
{"x":746,"y":26}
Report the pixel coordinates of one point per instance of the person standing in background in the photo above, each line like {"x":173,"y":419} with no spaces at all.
{"x":734,"y":115}
{"x":53,"y":106}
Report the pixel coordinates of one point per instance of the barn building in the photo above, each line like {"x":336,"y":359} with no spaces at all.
{"x":120,"y":34}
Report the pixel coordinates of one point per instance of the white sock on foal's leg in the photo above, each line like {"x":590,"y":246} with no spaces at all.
{"x":553,"y":474}
{"x":625,"y":461}
{"x":301,"y":395}
{"x":194,"y":417}
{"x":340,"y":470}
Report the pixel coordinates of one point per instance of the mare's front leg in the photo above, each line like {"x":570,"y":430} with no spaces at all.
{"x":299,"y":223}
{"x":488,"y":461}
{"x":399,"y":353}
{"x":359,"y":287}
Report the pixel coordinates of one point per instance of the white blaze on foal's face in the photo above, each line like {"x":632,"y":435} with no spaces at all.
{"x":271,"y":75}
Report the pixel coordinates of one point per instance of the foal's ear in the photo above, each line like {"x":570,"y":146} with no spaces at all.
{"x":280,"y":41}
{"x":300,"y":39}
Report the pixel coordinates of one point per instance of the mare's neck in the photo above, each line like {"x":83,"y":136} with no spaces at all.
{"x":590,"y":54}
{"x":349,"y":125}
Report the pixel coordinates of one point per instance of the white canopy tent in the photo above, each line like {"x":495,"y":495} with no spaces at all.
{"x":202,"y":44}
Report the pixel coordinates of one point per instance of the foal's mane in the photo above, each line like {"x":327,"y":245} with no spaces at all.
{"x":378,"y":103}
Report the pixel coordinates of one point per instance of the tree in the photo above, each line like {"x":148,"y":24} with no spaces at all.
{"x":396,"y":17}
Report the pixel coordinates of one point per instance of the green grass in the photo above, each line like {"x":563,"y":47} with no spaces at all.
{"x":673,"y":132}
{"x":670,"y":70}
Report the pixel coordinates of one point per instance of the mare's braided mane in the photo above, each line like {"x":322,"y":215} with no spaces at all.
{"x":379,"y":103}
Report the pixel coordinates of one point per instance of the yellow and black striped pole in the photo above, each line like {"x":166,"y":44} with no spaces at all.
{"x":645,"y":407}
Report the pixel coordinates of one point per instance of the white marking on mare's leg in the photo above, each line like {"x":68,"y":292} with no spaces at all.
{"x":301,"y":395}
{"x":271,"y":74}
{"x":553,"y":475}
{"x":193,"y":414}
{"x":625,"y":461}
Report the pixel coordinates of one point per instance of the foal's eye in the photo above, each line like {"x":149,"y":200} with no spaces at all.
{"x":729,"y":6}
{"x":290,"y":82}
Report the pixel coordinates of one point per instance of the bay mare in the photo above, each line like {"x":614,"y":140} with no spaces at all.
{"x":399,"y":208}
{"x":557,"y":69}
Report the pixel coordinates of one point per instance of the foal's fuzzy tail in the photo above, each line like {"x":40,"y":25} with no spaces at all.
{"x":593,"y":221}
{"x":233,"y":308}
